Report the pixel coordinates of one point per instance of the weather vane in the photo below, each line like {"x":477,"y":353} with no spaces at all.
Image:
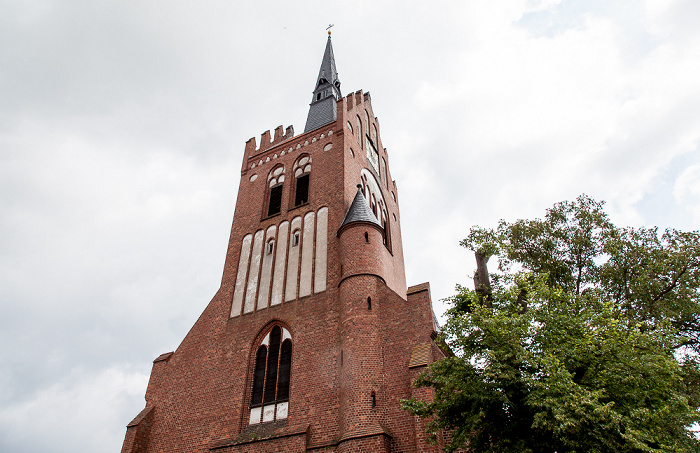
{"x":329,"y":29}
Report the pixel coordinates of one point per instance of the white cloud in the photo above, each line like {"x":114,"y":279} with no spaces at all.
{"x":686,"y":191}
{"x":78,"y":413}
{"x":122,"y":129}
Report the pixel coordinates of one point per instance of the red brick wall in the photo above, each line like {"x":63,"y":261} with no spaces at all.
{"x":201,"y":393}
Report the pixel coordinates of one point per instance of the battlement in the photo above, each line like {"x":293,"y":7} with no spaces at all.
{"x":265,"y":142}
{"x":357,"y":98}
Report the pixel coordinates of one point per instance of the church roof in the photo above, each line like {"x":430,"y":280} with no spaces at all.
{"x":359,"y":211}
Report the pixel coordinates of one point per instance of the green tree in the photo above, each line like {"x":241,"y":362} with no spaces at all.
{"x":585,"y":340}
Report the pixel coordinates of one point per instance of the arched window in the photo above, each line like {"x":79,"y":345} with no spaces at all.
{"x":269,"y":398}
{"x":387,"y":230}
{"x":275,"y":184}
{"x":359,"y":131}
{"x":302,"y":171}
{"x":386,"y":173}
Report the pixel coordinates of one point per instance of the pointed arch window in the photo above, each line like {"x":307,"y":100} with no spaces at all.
{"x":275,"y":184}
{"x":302,"y":172}
{"x":269,"y":397}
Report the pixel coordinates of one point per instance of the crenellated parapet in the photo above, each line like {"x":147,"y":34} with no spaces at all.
{"x":358,"y":98}
{"x":252,"y":149}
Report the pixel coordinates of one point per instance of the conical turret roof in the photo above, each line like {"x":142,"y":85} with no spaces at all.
{"x":360,"y":211}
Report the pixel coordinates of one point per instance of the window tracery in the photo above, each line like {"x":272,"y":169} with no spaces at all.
{"x":302,"y":172}
{"x":275,"y":184}
{"x":269,"y":400}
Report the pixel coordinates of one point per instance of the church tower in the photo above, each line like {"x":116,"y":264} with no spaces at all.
{"x":313,"y":337}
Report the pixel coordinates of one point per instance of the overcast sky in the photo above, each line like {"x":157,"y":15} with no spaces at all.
{"x":123,"y":124}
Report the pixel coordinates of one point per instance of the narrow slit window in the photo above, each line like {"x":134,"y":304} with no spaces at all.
{"x":373,"y":397}
{"x":366,"y":237}
{"x":259,"y":376}
{"x":295,"y":239}
{"x":369,"y":303}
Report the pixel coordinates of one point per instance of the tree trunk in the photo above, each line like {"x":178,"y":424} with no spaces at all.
{"x":482,"y":284}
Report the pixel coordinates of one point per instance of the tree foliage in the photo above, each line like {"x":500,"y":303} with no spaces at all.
{"x":587,"y":340}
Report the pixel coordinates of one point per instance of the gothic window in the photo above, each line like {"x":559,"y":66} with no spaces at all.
{"x":386,"y":173}
{"x":387,"y":230}
{"x":269,"y":400}
{"x":302,"y":171}
{"x":359,"y":131}
{"x":275,"y":184}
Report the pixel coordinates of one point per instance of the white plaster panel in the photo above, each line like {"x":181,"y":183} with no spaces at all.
{"x":321,"y":250}
{"x":255,"y":415}
{"x":282,"y":410}
{"x":285,"y":334}
{"x":240,"y":277}
{"x":307,"y":255}
{"x":266,"y":277}
{"x":268,"y":413}
{"x":293,"y":263}
{"x":280,"y":261}
{"x":253,"y":276}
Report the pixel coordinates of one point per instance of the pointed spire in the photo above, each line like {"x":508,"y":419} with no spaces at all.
{"x":326,"y":92}
{"x":359,"y":211}
{"x":328,"y":73}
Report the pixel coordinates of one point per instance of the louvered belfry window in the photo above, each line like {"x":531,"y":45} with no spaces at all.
{"x":270,"y":393}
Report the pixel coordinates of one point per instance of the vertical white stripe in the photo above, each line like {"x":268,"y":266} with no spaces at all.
{"x":266,"y":277}
{"x":240,"y":277}
{"x":293,"y":263}
{"x":252,"y":290}
{"x":321,"y":250}
{"x":280,"y":261}
{"x":307,"y":255}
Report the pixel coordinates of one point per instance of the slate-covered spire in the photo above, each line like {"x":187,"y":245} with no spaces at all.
{"x":326,"y":92}
{"x":359,"y":211}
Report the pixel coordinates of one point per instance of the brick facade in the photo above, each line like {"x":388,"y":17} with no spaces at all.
{"x":359,"y":335}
